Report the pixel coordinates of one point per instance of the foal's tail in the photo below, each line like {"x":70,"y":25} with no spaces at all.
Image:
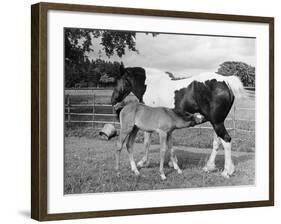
{"x":236,"y":86}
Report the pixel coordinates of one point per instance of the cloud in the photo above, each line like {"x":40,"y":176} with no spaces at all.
{"x":187,"y":54}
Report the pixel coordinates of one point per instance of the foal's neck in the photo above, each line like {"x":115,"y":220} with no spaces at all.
{"x":181,"y":123}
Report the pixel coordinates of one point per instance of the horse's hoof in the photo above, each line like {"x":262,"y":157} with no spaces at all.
{"x":225,"y":174}
{"x":163,"y":177}
{"x":231,"y":169}
{"x":209,"y":168}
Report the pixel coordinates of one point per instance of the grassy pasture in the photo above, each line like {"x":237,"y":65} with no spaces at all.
{"x":89,"y":160}
{"x":89,"y":168}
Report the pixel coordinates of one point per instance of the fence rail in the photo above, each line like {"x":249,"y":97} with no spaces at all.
{"x":95,"y":112}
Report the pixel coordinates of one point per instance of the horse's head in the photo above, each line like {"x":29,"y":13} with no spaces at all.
{"x":123,"y":86}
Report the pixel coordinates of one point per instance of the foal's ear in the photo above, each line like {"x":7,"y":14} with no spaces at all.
{"x":121,"y":69}
{"x":188,"y":115}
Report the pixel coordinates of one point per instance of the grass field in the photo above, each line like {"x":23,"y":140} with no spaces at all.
{"x":89,"y":160}
{"x":89,"y":168}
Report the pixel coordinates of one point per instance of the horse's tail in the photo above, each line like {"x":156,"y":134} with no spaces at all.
{"x":236,"y":85}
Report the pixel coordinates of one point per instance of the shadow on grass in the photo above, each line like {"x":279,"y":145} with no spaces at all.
{"x":191,"y":159}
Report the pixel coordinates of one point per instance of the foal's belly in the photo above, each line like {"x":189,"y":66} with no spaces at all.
{"x":153,"y":119}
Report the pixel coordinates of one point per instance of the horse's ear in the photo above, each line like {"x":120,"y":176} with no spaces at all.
{"x":121,"y":69}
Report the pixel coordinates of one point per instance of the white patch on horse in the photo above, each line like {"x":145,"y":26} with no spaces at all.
{"x":160,"y":88}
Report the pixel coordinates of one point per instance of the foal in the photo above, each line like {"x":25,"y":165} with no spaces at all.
{"x":135,"y":116}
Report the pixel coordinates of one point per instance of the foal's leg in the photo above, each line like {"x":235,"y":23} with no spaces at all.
{"x":226,"y":142}
{"x":130,"y":149}
{"x":122,"y":138}
{"x":173,"y":156}
{"x":163,"y":148}
{"x":147,"y":142}
{"x":210,"y":166}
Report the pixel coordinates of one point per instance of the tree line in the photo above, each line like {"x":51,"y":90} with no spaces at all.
{"x":80,"y":71}
{"x":102,"y":73}
{"x":94,"y":73}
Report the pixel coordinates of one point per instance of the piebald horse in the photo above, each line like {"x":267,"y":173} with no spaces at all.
{"x":136,"y":116}
{"x":209,"y":94}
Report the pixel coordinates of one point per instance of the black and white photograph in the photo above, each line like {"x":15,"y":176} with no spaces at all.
{"x":152,"y":111}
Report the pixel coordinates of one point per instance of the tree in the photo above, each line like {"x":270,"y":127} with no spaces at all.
{"x":244,"y":71}
{"x":78,"y":42}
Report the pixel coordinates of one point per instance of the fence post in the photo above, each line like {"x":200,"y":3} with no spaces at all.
{"x":94,"y":100}
{"x":233,"y":120}
{"x":113,"y":113}
{"x":200,"y":133}
{"x":68,"y":108}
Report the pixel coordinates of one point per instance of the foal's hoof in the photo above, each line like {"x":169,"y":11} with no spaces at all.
{"x":179,"y":171}
{"x":163,"y":177}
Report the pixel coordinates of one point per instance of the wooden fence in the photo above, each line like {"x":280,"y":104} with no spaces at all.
{"x":95,"y":109}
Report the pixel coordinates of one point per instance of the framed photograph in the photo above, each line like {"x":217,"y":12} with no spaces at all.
{"x":139,"y":111}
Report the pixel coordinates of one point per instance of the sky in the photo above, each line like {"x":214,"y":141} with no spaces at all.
{"x":184,"y":55}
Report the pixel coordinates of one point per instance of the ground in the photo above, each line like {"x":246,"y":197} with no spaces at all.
{"x":89,"y":168}
{"x":89,"y":161}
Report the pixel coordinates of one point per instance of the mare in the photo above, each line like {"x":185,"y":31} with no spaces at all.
{"x":209,"y":94}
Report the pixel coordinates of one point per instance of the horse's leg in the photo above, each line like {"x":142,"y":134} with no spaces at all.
{"x":229,"y":167}
{"x":210,"y":166}
{"x":130,"y":149}
{"x":122,"y":138}
{"x":173,"y":156}
{"x":147,"y":142}
{"x":163,"y":148}
{"x":226,"y":142}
